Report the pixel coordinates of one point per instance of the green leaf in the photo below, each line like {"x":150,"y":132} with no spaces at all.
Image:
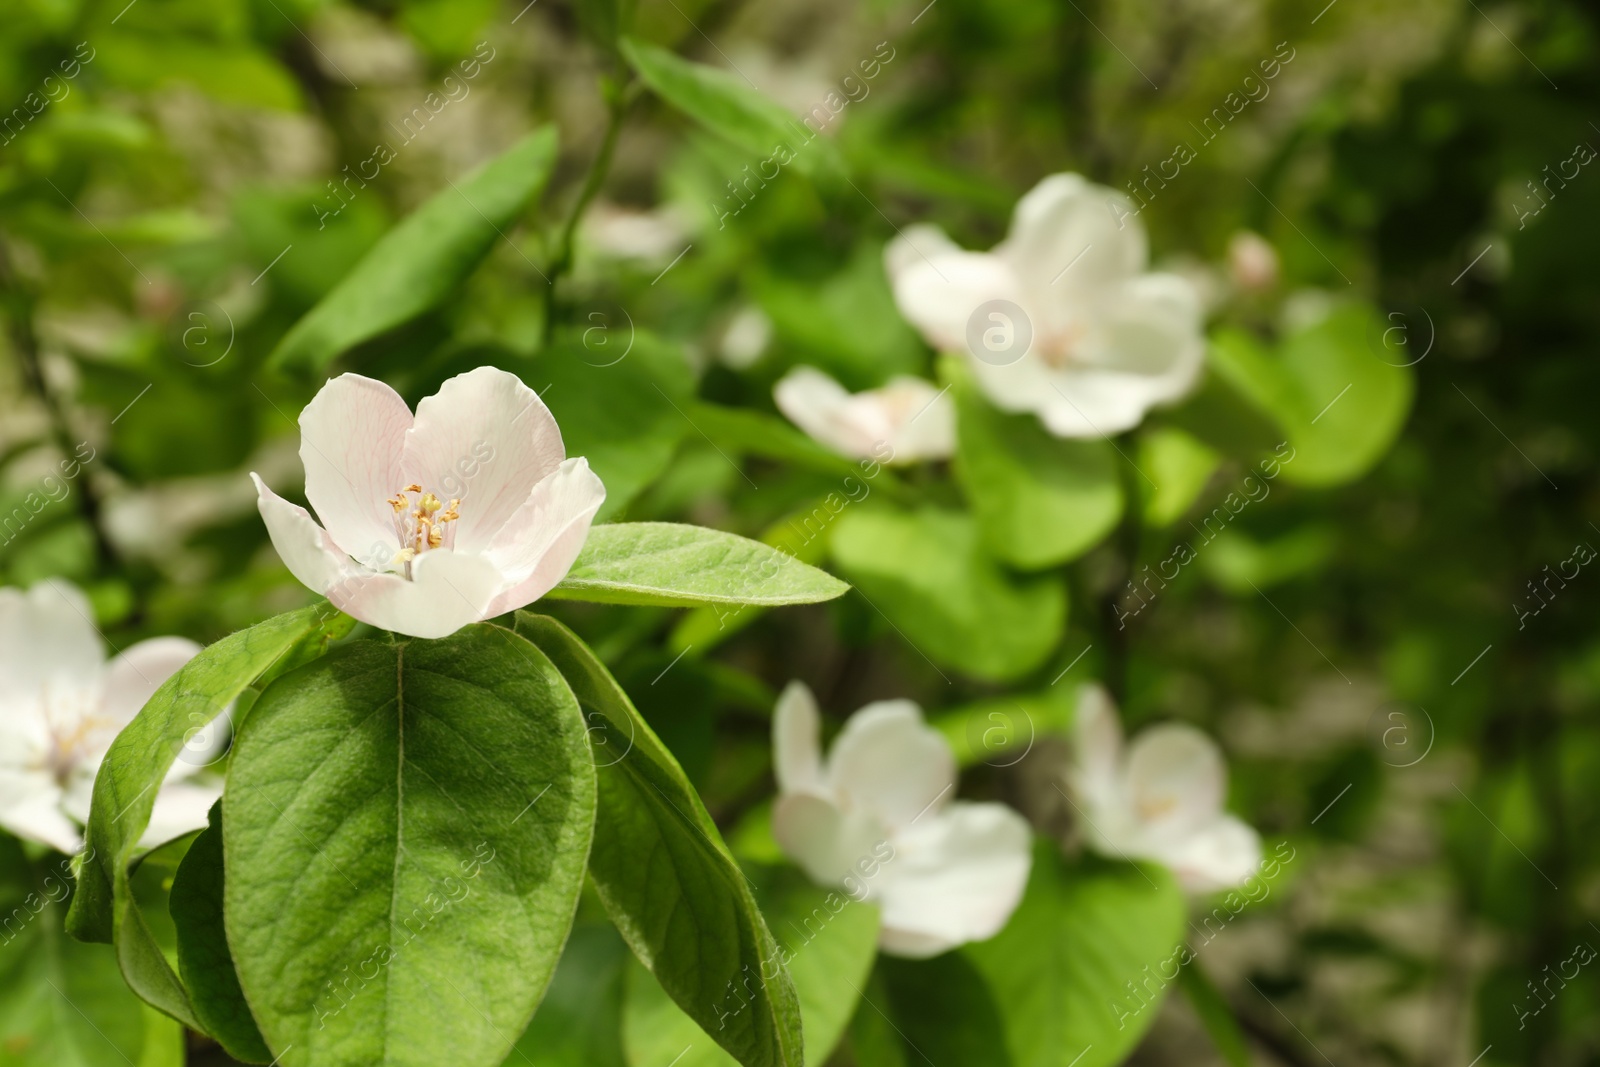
{"x":125,"y":788}
{"x":419,"y":263}
{"x":1339,"y":402}
{"x":579,"y":1023}
{"x":1242,"y":565}
{"x":731,"y":108}
{"x":1216,"y":1016}
{"x":405,"y":836}
{"x":800,"y":535}
{"x":672,"y":565}
{"x":1353,"y":405}
{"x":668,"y":880}
{"x":1066,"y":967}
{"x":828,"y":942}
{"x":620,"y":405}
{"x":223,"y":72}
{"x":1039,"y":500}
{"x":1180,"y":465}
{"x":928,"y":574}
{"x":204,"y":960}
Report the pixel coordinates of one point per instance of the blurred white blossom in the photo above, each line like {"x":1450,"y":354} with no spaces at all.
{"x":876,"y":818}
{"x":1060,"y":318}
{"x":62,"y":706}
{"x":913,"y":417}
{"x":1160,"y":799}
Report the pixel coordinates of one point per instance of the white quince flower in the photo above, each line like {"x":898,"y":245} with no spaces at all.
{"x":877,"y":819}
{"x":465,"y":512}
{"x":1161,"y":800}
{"x":909,"y":415}
{"x":62,"y":705}
{"x":1108,"y":341}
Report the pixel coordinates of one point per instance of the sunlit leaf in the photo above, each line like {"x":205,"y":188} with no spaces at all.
{"x":406,"y":831}
{"x":419,"y":263}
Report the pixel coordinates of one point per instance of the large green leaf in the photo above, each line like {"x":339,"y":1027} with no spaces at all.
{"x":673,"y":565}
{"x":930,"y":576}
{"x":733,"y":109}
{"x":63,"y":1003}
{"x":829,"y":942}
{"x":622,"y":405}
{"x":1039,"y":500}
{"x":1066,"y":967}
{"x":405,"y":837}
{"x":204,"y":960}
{"x":125,"y":789}
{"x":668,"y":880}
{"x":419,"y":263}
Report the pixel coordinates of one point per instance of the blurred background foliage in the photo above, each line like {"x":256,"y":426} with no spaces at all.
{"x":210,"y":169}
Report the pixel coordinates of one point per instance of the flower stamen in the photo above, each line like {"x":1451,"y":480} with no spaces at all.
{"x":420,"y":526}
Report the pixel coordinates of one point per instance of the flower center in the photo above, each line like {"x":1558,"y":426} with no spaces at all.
{"x":1153,"y":808}
{"x":74,"y":721}
{"x":423,"y":525}
{"x":1059,"y":348}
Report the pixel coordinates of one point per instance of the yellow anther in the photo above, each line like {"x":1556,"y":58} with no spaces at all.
{"x":413,"y":488}
{"x":430,"y":503}
{"x":435,"y":537}
{"x":399,"y":503}
{"x":405,"y":555}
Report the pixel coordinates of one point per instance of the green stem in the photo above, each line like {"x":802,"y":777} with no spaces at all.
{"x":618,"y":100}
{"x":1128,"y":540}
{"x":19,"y":314}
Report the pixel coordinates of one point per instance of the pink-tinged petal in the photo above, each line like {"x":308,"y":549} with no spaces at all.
{"x":487,"y":438}
{"x":905,"y":420}
{"x":891,"y":764}
{"x":922,"y":420}
{"x":133,"y":676}
{"x":180,"y":808}
{"x":955,"y":877}
{"x":47,"y":637}
{"x":1097,"y":748}
{"x":30,"y":807}
{"x":1069,"y":241}
{"x":351,"y":436}
{"x":540,"y":542}
{"x":1222,"y":855}
{"x":1176,"y":780}
{"x":797,"y":741}
{"x":939,"y":294}
{"x":305,"y":548}
{"x":830,"y":845}
{"x":447,"y":590}
{"x":815,"y":402}
{"x":913,"y":245}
